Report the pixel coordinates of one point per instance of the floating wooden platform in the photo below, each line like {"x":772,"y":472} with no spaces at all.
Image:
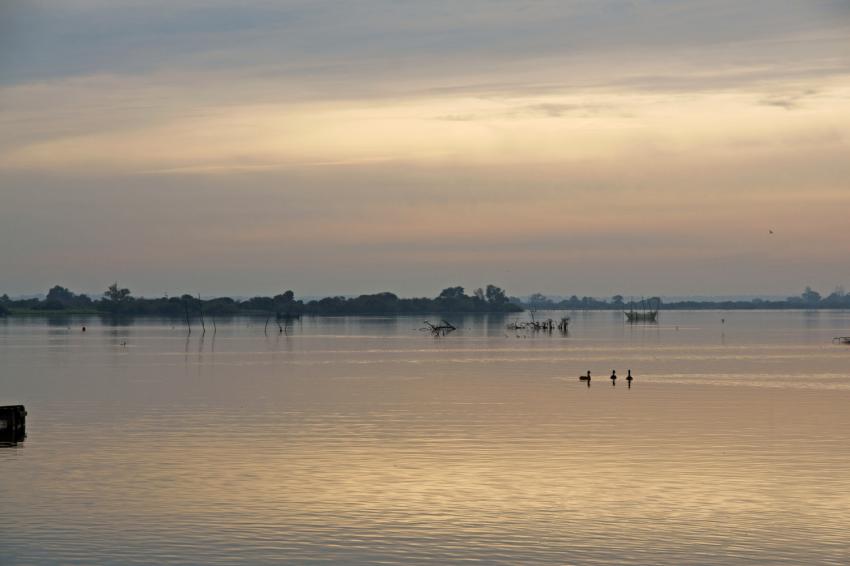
{"x":13,"y":423}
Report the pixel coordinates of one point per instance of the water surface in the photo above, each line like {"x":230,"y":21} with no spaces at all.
{"x":363,"y":440}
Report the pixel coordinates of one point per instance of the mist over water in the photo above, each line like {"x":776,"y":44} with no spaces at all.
{"x":363,"y":440}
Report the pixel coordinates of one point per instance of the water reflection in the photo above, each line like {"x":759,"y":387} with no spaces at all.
{"x":360,"y":440}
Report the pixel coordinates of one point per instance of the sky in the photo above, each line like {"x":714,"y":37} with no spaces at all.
{"x":569,"y":147}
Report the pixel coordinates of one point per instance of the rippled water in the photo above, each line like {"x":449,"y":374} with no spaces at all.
{"x":363,"y":440}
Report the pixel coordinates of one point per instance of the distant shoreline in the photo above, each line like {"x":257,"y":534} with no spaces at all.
{"x":263,"y":315}
{"x":117,"y":301}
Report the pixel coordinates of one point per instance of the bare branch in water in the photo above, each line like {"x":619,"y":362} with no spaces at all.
{"x":439,"y":329}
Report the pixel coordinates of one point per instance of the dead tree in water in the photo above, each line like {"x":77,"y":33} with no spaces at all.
{"x":286,"y":319}
{"x":537,"y":325}
{"x":186,"y":312}
{"x":201,"y":314}
{"x":439,"y":329}
{"x":547,"y":325}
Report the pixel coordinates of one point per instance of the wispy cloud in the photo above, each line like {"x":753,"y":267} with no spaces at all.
{"x":788,"y":101}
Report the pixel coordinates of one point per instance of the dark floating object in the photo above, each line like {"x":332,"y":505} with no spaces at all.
{"x":13,"y":424}
{"x":547,"y":325}
{"x":648,"y":311}
{"x":439,"y":329}
{"x":842,"y":339}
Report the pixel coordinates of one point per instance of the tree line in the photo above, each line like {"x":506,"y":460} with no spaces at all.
{"x":117,"y":300}
{"x":808,"y":299}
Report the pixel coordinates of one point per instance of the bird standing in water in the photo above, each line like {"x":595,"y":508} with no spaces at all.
{"x":614,"y":377}
{"x":629,"y":379}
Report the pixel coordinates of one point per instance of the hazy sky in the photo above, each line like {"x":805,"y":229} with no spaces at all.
{"x":588,"y":147}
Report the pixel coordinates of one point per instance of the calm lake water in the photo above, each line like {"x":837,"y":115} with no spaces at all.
{"x":363,"y":440}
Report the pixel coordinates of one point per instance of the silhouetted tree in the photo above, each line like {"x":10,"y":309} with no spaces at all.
{"x":495,"y":295}
{"x":116,"y":294}
{"x":116,"y":299}
{"x":810,"y":296}
{"x":283,"y":303}
{"x":60,"y":294}
{"x":451,"y":293}
{"x":61,"y":297}
{"x":837,"y":299}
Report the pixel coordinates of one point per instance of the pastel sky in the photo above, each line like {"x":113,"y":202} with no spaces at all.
{"x":587,"y":147}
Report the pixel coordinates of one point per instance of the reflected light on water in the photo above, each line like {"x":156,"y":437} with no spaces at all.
{"x":362,"y":441}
